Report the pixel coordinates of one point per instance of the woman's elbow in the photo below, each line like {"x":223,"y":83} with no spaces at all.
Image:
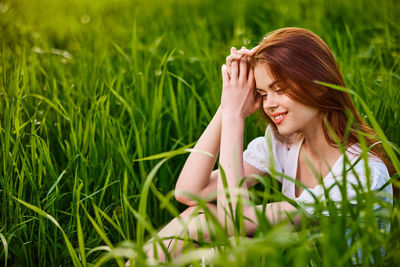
{"x":182,"y":197}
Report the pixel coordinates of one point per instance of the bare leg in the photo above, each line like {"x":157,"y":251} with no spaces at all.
{"x":190,"y":223}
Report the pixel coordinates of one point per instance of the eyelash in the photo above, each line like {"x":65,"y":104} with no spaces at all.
{"x":278,"y":91}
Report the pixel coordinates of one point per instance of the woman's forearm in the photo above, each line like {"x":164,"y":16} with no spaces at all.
{"x":231,"y":161}
{"x":195,"y":175}
{"x":238,"y":101}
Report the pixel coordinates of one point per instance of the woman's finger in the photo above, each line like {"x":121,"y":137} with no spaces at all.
{"x":248,"y":52}
{"x":229,"y":59}
{"x":243,"y":69}
{"x":225,"y":75}
{"x":234,"y":70}
{"x":250,"y":77}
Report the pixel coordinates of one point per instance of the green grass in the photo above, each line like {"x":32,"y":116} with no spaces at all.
{"x":87,"y":88}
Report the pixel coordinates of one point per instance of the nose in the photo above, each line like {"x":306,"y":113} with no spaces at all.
{"x":270,"y":103}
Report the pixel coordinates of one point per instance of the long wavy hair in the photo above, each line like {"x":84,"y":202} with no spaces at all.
{"x":296,"y":58}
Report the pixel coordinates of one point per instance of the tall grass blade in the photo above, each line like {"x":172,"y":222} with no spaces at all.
{"x":80,"y":234}
{"x":5,"y":245}
{"x":70,"y":248}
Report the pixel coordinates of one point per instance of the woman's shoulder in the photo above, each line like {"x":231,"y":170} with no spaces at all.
{"x":358,"y":172}
{"x":354,"y":153}
{"x":359,"y":169}
{"x":264,"y":151}
{"x":263,"y":144}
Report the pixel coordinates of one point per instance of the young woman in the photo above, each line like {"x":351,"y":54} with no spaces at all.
{"x":279,"y":77}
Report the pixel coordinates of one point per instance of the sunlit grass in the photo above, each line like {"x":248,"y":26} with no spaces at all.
{"x":88,"y":89}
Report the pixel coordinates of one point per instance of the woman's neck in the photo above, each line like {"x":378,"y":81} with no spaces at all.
{"x":316,"y":144}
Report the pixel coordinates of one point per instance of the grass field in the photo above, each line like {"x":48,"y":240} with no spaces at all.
{"x":88,"y":88}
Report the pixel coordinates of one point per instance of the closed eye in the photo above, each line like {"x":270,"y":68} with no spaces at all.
{"x":264,"y":94}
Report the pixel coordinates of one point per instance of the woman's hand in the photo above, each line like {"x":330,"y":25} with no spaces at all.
{"x":239,"y":99}
{"x":248,"y":52}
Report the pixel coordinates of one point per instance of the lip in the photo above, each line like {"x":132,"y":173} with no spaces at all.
{"x":278,"y":121}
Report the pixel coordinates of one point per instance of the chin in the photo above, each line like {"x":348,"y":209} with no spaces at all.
{"x":284,"y":131}
{"x":281,"y":130}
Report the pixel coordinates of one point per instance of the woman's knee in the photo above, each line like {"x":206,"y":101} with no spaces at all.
{"x":197,"y":220}
{"x":194,"y":210}
{"x":250,"y":220}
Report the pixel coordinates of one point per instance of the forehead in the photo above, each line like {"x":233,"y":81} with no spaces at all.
{"x":262,"y":76}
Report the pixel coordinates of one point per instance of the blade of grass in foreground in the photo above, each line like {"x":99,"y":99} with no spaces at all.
{"x":101,"y":233}
{"x":168,"y":153}
{"x":143,"y":202}
{"x":5,"y":244}
{"x":70,"y":248}
{"x":81,"y":240}
{"x":147,"y":184}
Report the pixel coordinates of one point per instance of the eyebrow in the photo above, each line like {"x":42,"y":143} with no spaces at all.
{"x":271,"y":85}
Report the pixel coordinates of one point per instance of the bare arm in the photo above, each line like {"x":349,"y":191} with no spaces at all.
{"x":209,"y":192}
{"x":196,"y":173}
{"x":274,"y":212}
{"x":197,"y":176}
{"x":238,"y":101}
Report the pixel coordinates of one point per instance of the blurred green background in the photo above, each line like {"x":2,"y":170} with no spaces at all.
{"x":88,"y":87}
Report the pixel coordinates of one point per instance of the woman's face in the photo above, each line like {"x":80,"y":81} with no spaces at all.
{"x":289,"y":115}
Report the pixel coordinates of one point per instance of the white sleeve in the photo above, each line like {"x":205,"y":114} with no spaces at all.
{"x":258,"y":153}
{"x":356,"y":180}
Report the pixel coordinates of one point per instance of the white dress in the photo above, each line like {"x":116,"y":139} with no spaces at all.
{"x":285,"y":160}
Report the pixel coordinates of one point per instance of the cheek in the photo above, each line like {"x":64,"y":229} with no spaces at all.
{"x":264,"y":104}
{"x":308,"y":114}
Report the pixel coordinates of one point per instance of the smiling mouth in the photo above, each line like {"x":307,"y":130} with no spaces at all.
{"x":278,"y":119}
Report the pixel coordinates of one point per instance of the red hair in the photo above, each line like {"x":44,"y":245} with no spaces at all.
{"x":296,"y":58}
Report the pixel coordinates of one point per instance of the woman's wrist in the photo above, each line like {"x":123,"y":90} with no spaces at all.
{"x":231,"y":116}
